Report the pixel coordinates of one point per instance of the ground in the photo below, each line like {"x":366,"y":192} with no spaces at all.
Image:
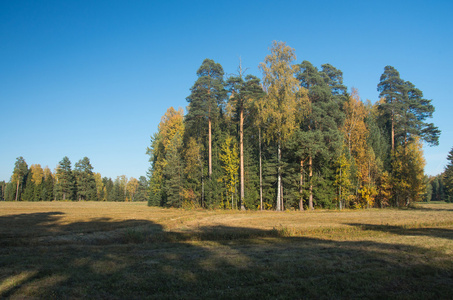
{"x":130,"y":251}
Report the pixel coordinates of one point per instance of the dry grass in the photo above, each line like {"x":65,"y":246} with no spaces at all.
{"x":128,"y":250}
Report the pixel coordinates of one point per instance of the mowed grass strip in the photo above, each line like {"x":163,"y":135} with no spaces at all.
{"x":128,"y":250}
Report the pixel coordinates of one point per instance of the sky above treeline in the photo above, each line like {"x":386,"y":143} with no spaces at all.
{"x":93,"y":78}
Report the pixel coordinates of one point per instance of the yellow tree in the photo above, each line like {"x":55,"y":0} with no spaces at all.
{"x":37,"y":178}
{"x":408,"y":172}
{"x":99,"y":186}
{"x":356,"y":134}
{"x":37,"y":174}
{"x":132,"y":187}
{"x":171,"y":124}
{"x":342,"y":179}
{"x":230,"y":165}
{"x":282,"y":102}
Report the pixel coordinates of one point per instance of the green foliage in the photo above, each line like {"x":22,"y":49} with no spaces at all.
{"x":447,"y":178}
{"x":65,"y":181}
{"x":85,"y":182}
{"x":405,"y":110}
{"x":298,"y":137}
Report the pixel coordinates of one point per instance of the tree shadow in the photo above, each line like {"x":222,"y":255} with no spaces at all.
{"x":402,"y":230}
{"x":139,"y":259}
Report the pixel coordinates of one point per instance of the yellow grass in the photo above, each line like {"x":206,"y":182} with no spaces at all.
{"x":129,"y":250}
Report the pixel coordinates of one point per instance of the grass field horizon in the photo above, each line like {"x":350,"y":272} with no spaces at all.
{"x":128,"y":250}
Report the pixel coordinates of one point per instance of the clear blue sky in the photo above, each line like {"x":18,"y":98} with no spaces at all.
{"x":93,"y":78}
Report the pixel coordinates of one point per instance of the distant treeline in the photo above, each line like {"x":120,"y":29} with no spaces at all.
{"x":37,"y":184}
{"x":295,"y":139}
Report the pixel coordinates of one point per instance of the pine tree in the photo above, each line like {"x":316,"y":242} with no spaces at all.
{"x":205,"y":103}
{"x":243,"y":94}
{"x":319,"y":138}
{"x":448,"y":177}
{"x":171,"y":125}
{"x":19,"y":173}
{"x":37,"y":177}
{"x":85,"y":182}
{"x":405,"y":110}
{"x":47,"y":192}
{"x":65,"y":181}
{"x":173,"y":172}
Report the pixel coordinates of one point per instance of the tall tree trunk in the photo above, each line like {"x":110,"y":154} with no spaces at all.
{"x":339,"y":192}
{"x":279,"y":176}
{"x":261,"y":171}
{"x":17,"y":189}
{"x":310,"y":197}
{"x":301,"y":201}
{"x":209,"y":147}
{"x":241,"y":150}
{"x":281,"y":197}
{"x":393,"y":133}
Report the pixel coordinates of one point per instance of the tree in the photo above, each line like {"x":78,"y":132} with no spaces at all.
{"x":142,"y":189}
{"x":173,"y":172}
{"x":406,"y":110}
{"x":343,"y":178}
{"x":163,"y":141}
{"x":230,"y":164}
{"x":100,"y":195}
{"x":2,"y":190}
{"x":65,"y":182}
{"x":282,"y":102}
{"x":243,"y":94}
{"x":448,"y":176}
{"x":132,"y":187}
{"x":205,"y":102}
{"x":37,"y":177}
{"x":47,"y":192}
{"x":193,"y":173}
{"x":20,"y":170}
{"x":85,"y":181}
{"x":318,"y":138}
{"x":408,"y":173}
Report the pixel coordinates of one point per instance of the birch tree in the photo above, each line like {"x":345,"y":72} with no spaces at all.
{"x":281,"y":102}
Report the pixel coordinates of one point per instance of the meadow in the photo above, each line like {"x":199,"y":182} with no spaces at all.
{"x":76,"y":250}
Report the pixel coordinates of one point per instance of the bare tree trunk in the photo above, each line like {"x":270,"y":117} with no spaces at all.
{"x":339,"y":193}
{"x":301,"y":201}
{"x":393,"y":134}
{"x":310,"y":197}
{"x":209,"y":147}
{"x":279,"y":176}
{"x":17,"y":189}
{"x":241,"y":150}
{"x":202,"y":190}
{"x":281,"y":197}
{"x":261,"y":171}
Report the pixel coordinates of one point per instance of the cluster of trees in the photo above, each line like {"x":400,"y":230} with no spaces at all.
{"x":440,"y":187}
{"x":37,"y":184}
{"x":297,"y":139}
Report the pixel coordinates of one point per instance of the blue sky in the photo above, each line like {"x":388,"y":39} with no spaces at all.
{"x":93,"y":78}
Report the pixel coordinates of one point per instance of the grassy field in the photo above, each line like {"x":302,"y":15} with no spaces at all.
{"x":76,"y":250}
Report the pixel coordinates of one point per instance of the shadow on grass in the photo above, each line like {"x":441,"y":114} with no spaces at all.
{"x":137,"y":259}
{"x":402,"y":230}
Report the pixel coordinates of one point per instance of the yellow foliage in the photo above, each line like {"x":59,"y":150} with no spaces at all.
{"x":132,"y":187}
{"x":37,"y":174}
{"x":408,"y":172}
{"x":230,"y":164}
{"x":285,"y":100}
